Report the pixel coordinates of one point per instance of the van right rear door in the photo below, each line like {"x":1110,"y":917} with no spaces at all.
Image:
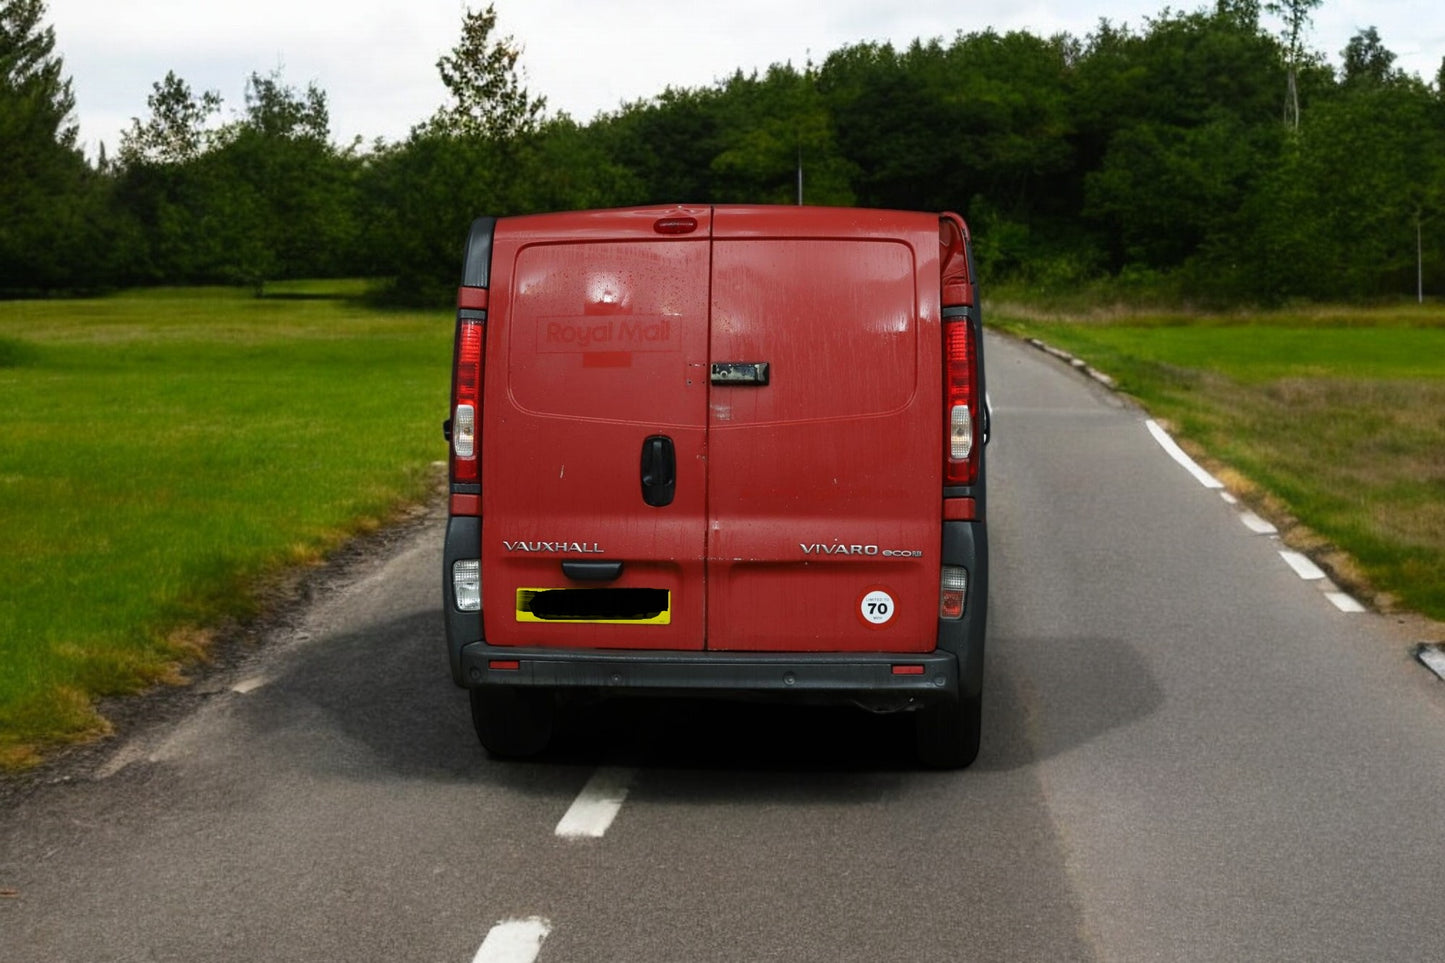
{"x":824,"y":473}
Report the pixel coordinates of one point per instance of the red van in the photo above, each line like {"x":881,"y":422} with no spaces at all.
{"x":731,"y":451}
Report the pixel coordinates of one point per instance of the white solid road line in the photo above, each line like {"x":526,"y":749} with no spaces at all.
{"x":1179,"y":455}
{"x":514,"y":941}
{"x":597,"y":805}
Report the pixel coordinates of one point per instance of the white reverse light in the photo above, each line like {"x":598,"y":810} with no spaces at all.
{"x":960,"y":434}
{"x":464,"y":431}
{"x":467,"y":584}
{"x":952,"y":591}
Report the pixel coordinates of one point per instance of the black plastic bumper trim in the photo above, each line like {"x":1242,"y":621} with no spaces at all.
{"x":463,"y":541}
{"x":841,"y":677}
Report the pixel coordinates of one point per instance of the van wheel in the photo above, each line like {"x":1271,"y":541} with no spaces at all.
{"x":513,"y":723}
{"x":948,"y":732}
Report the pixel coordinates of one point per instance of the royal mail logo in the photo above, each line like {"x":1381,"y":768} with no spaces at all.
{"x":616,"y":333}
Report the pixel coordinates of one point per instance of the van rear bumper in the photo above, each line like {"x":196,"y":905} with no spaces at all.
{"x":870,"y":679}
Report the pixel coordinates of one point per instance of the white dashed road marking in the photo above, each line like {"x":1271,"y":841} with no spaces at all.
{"x":597,"y":805}
{"x":1302,"y":566}
{"x":1433,"y":658}
{"x":514,"y":941}
{"x":520,"y":940}
{"x":1345,"y":603}
{"x":1256,"y":524}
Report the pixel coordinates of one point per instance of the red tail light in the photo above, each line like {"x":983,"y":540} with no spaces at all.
{"x":467,"y":402}
{"x":961,"y":439}
{"x":963,"y":435}
{"x":962,"y":431}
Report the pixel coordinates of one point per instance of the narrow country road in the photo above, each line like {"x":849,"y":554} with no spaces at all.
{"x":1190,"y":753}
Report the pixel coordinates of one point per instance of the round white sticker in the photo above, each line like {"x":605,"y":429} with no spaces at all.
{"x":876,"y":607}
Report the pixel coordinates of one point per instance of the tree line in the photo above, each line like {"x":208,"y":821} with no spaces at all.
{"x":1207,"y":154}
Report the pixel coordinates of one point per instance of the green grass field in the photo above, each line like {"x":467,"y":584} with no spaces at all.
{"x":164,"y":452}
{"x":1334,"y":418}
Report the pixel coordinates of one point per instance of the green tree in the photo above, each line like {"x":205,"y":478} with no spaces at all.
{"x":1337,"y":216}
{"x":1296,"y":16}
{"x":1366,"y":61}
{"x":771,"y":129}
{"x":286,"y":191}
{"x":667,"y":144}
{"x":420,"y":197}
{"x":1010,"y":161}
{"x":163,"y":186}
{"x":178,"y":129}
{"x":566,"y":166}
{"x":264,"y":197}
{"x":488,"y":98}
{"x":1168,"y":191}
{"x":478,"y":154}
{"x":890,"y":124}
{"x":1173,"y":124}
{"x":48,"y":194}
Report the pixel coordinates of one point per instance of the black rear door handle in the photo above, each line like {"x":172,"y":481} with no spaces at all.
{"x":592,"y":571}
{"x":659,"y":471}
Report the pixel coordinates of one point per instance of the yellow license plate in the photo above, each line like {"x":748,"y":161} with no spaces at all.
{"x":595,"y":606}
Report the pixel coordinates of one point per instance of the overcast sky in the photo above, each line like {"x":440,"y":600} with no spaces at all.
{"x":376,"y":59}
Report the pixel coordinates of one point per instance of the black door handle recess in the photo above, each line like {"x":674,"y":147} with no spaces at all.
{"x":659,"y":471}
{"x":741,"y":373}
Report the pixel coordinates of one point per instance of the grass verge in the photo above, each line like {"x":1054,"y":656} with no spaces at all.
{"x":165,"y":453}
{"x":1335,"y":417}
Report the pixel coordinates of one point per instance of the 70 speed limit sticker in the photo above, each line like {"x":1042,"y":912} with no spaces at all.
{"x":876,"y":607}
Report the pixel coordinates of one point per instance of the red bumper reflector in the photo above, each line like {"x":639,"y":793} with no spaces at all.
{"x":908,"y":670}
{"x":960,"y":510}
{"x":504,"y":665}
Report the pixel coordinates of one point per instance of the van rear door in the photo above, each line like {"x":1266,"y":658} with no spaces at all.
{"x":593,"y":491}
{"x":825,"y":467}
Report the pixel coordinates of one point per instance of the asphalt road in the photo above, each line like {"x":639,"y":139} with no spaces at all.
{"x":1189,"y":753}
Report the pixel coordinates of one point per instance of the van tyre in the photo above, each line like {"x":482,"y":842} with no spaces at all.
{"x":511,"y":722}
{"x":948,"y":732}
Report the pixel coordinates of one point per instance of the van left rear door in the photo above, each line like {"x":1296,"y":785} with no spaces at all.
{"x":595,"y":429}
